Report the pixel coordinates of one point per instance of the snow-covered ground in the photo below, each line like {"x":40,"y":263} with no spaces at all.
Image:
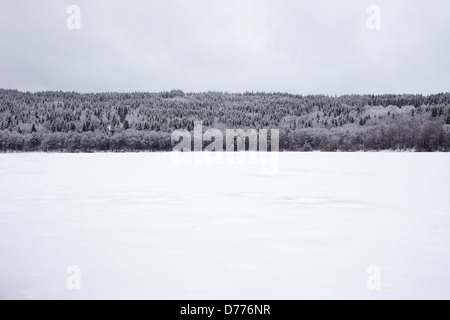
{"x":151,"y":226}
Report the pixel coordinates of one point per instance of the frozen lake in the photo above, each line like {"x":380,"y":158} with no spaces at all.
{"x":153,"y":226}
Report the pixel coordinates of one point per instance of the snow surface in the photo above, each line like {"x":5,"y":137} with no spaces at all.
{"x":147,"y":225}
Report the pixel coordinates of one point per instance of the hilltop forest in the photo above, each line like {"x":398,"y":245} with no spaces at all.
{"x":76,"y":122}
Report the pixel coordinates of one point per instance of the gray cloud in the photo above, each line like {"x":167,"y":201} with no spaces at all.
{"x":305,"y":47}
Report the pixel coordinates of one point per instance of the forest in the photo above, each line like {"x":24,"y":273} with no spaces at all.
{"x":56,"y":121}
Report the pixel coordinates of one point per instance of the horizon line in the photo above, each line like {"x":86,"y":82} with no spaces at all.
{"x":223,"y":92}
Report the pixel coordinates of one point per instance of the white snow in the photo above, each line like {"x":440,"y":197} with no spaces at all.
{"x":146,"y":226}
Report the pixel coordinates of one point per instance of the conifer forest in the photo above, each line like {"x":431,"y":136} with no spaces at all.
{"x":77,"y":122}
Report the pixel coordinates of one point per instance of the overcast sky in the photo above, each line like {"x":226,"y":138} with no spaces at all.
{"x":320,"y":46}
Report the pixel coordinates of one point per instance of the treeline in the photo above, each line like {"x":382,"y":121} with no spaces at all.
{"x":74,"y":122}
{"x":130,"y":140}
{"x":431,"y":136}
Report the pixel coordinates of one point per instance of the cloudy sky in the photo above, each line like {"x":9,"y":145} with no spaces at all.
{"x":297,"y":46}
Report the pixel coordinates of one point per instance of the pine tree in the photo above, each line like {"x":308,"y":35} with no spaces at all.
{"x":33,"y":128}
{"x":434,"y":113}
